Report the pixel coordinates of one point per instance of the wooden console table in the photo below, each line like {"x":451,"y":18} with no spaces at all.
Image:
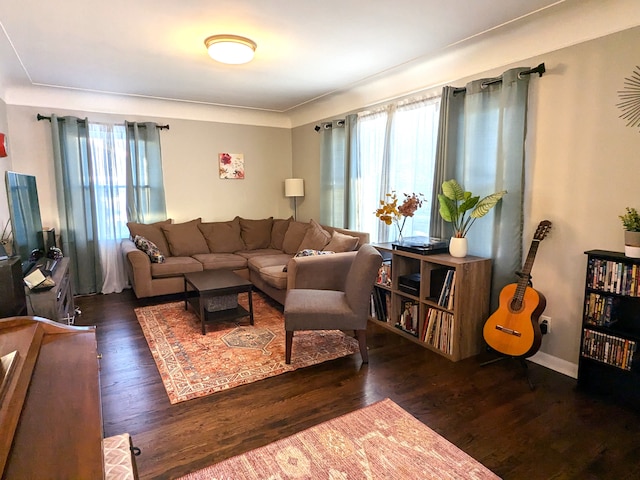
{"x":50,"y":415}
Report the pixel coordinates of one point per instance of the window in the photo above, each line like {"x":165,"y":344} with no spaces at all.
{"x":394,"y":150}
{"x":109,"y":179}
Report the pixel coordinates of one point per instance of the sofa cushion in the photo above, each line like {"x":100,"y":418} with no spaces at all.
{"x":261,"y":261}
{"x":278,"y":231}
{"x":185,"y":239}
{"x":221,"y":261}
{"x":256,"y":233}
{"x":342,"y":243}
{"x":259,"y":253}
{"x":223,"y":237}
{"x":152,"y":232}
{"x":150,"y":248}
{"x":315,"y":238}
{"x":293,"y":237}
{"x":274,"y":277}
{"x":174,"y":266}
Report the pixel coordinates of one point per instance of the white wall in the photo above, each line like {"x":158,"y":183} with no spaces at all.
{"x":190,"y":162}
{"x":193,"y":187}
{"x":584,"y":172}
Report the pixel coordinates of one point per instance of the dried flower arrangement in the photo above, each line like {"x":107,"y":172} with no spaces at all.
{"x":389,"y":211}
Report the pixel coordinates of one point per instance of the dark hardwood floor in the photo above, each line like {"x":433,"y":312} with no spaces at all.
{"x":554,"y":431}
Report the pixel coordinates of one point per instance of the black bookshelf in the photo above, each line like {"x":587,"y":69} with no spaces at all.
{"x":609,"y":361}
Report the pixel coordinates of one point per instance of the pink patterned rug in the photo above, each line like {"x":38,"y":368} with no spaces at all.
{"x":381,"y":441}
{"x":193,"y":365}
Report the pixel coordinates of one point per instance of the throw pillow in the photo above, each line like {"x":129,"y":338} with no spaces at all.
{"x":185,"y":239}
{"x":256,"y":233}
{"x":152,"y":232}
{"x":308,"y":252}
{"x":223,"y":237}
{"x":149,"y":248}
{"x":293,"y":237}
{"x":315,"y":238}
{"x":342,"y":243}
{"x":278,"y":232}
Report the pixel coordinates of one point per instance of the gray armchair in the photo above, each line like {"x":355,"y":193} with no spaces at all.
{"x":345,"y":309}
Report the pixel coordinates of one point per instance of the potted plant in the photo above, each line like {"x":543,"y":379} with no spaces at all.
{"x":462,"y":209}
{"x":631,"y":224}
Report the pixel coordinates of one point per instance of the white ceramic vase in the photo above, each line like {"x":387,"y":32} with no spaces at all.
{"x":458,"y":247}
{"x":632,"y":244}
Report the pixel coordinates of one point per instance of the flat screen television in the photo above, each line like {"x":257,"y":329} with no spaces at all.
{"x":26,"y":223}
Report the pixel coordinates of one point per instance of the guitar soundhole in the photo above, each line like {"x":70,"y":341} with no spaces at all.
{"x":516,"y":305}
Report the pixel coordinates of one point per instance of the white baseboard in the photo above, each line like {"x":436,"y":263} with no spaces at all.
{"x":555,"y":363}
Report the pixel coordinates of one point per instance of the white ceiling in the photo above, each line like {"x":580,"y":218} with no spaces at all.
{"x":306,"y":49}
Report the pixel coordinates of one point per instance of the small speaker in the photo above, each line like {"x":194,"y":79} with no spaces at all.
{"x":49,"y":238}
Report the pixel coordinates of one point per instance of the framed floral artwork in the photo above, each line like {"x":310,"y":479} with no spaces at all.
{"x":231,"y":165}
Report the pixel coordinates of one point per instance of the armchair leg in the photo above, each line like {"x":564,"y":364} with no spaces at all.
{"x":362,"y":341}
{"x":287,"y":346}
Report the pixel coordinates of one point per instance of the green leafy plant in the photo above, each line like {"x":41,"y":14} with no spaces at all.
{"x":462,"y":209}
{"x":631,"y":220}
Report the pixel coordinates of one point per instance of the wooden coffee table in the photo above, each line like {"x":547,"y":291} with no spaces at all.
{"x":201,"y":287}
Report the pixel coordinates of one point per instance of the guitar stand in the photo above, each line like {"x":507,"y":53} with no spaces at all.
{"x":522,"y":362}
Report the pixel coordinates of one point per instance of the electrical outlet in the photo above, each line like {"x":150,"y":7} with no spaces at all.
{"x":545,"y":320}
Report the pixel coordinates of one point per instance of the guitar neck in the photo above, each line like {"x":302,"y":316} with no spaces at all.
{"x":526,"y":271}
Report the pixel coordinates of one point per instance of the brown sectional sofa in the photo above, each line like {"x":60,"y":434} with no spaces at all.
{"x":258,"y":250}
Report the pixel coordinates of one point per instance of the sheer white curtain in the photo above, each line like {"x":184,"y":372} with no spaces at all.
{"x":393,"y":149}
{"x":367,"y":181}
{"x":108,"y":152}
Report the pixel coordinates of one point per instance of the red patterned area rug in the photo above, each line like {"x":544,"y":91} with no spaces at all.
{"x":193,"y":365}
{"x":381,"y":441}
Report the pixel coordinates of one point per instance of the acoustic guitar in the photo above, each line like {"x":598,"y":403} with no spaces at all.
{"x":513,"y":328}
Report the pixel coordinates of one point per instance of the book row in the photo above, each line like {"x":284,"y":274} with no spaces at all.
{"x":600,"y":309}
{"x":608,"y":349}
{"x":438,"y":330}
{"x":448,"y":289}
{"x":613,"y":277}
{"x":381,"y":304}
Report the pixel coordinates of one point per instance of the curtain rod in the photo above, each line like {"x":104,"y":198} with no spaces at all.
{"x":540,"y":69}
{"x":42,"y":117}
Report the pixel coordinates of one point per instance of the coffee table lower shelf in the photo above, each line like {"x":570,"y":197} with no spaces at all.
{"x":219,"y":315}
{"x":201,"y":287}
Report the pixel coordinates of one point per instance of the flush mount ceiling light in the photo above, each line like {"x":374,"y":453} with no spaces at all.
{"x":231,"y":49}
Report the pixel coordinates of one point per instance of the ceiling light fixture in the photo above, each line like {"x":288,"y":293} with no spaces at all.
{"x":231,"y":49}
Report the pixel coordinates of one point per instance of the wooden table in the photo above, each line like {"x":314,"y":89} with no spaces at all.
{"x":50,"y":415}
{"x":200,"y":287}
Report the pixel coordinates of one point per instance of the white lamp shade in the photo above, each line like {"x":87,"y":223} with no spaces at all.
{"x":294,"y":187}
